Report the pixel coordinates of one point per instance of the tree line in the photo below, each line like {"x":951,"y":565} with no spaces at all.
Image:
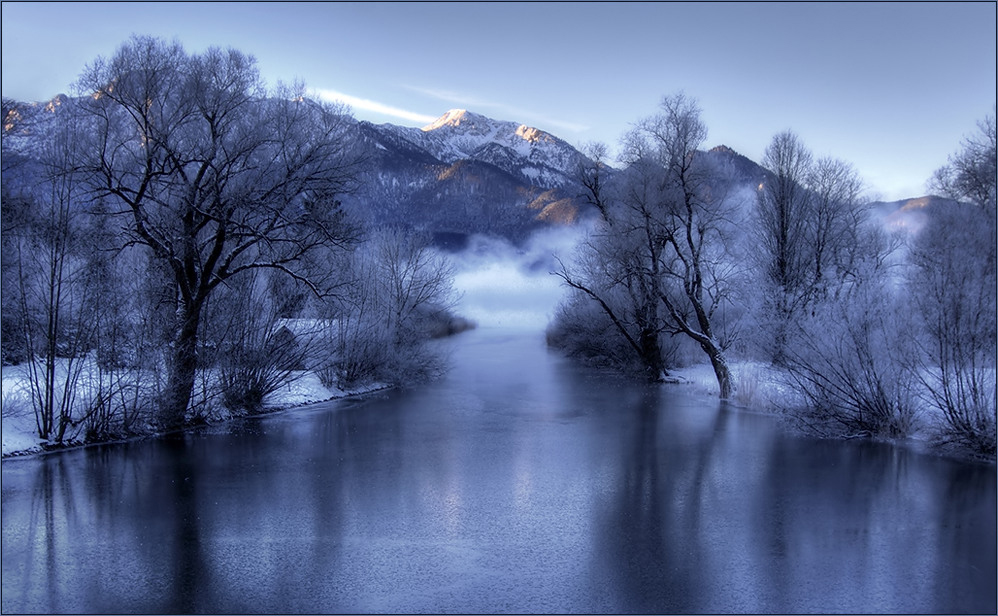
{"x":871,"y":327}
{"x":174,"y":242}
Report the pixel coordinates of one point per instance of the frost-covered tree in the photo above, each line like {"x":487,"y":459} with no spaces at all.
{"x":54,"y":293}
{"x":13,"y":216}
{"x":16,"y":205}
{"x":971,"y":173}
{"x":399,"y":296}
{"x":662,"y":242}
{"x":784,"y":209}
{"x":616,"y":269}
{"x":850,"y":357}
{"x":835,"y":243}
{"x":253,"y":350}
{"x":213,"y":175}
{"x":953,"y":284}
{"x":809,"y":220}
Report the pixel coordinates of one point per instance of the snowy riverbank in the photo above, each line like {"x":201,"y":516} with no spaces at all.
{"x":762,"y":388}
{"x":20,"y":434}
{"x":759,"y":387}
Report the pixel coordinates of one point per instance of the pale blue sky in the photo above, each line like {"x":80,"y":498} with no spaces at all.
{"x":889,"y":87}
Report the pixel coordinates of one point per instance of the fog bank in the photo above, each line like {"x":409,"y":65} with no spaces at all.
{"x":507,"y":286}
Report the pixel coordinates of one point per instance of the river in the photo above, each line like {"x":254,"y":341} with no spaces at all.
{"x":520,"y":482}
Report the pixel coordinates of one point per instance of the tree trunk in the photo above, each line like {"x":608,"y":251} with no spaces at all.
{"x":651,"y":354}
{"x":779,"y":353}
{"x":183,"y":365}
{"x":721,"y":370}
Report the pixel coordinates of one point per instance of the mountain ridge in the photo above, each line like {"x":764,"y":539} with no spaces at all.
{"x":463,"y":173}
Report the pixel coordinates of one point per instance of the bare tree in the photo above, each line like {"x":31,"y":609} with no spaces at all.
{"x":55,"y":292}
{"x":811,"y":228}
{"x":125,"y":376}
{"x":784,"y":212}
{"x":16,"y":214}
{"x":695,"y":281}
{"x":616,"y":266}
{"x":13,"y":217}
{"x":953,"y":287}
{"x":582,"y":329}
{"x":255,"y":352}
{"x":664,"y":237}
{"x":212,"y":176}
{"x":784,"y":205}
{"x":847,"y":345}
{"x":835,"y":225}
{"x":400,"y":293}
{"x":971,"y":174}
{"x":850,"y":362}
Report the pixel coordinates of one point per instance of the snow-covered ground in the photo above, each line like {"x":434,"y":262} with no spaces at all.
{"x":17,"y":426}
{"x":758,"y":385}
{"x":307,"y":389}
{"x":20,"y":433}
{"x":762,"y":388}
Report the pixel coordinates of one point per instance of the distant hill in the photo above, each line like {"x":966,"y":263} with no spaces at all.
{"x":910,"y":214}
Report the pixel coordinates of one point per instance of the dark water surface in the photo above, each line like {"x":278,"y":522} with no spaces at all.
{"x":520,"y":483}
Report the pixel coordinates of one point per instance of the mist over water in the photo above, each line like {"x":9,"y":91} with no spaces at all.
{"x":507,"y":286}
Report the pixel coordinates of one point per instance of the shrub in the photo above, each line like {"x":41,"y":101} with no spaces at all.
{"x":851,"y":363}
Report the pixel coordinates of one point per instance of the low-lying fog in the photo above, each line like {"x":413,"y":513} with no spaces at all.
{"x":502,"y":285}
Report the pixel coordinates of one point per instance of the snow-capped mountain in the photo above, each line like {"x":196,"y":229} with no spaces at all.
{"x":467,"y":173}
{"x":537,"y":156}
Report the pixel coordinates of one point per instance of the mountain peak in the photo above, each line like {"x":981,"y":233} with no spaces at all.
{"x":723,"y":148}
{"x":529,"y":154}
{"x":454,"y":117}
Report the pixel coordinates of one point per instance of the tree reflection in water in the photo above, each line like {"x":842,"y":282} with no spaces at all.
{"x":532,"y":485}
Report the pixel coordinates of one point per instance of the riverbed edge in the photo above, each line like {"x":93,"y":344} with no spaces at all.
{"x":41,"y":449}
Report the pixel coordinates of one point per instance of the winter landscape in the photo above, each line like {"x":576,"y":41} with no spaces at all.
{"x":261,"y":355}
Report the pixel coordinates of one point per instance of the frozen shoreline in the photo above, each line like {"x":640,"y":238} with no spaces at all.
{"x":20,"y":439}
{"x":760,"y":388}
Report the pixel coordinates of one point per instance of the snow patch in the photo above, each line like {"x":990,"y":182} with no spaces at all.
{"x":757,"y":385}
{"x":451,"y":118}
{"x":19,"y":430}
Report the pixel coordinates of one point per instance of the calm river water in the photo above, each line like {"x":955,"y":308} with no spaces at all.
{"x":519,"y":483}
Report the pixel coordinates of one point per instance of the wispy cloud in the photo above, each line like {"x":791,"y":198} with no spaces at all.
{"x":510,"y":113}
{"x":373,"y":106}
{"x":449,"y":96}
{"x":568,"y":126}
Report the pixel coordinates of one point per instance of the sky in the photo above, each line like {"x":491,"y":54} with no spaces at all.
{"x":890,"y":87}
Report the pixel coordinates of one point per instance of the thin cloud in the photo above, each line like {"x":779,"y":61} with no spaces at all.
{"x":569,"y":126}
{"x":458,"y":98}
{"x":373,"y":106}
{"x":450,"y":96}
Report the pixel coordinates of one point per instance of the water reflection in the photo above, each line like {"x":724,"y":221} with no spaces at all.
{"x":787,"y":525}
{"x":526,"y":486}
